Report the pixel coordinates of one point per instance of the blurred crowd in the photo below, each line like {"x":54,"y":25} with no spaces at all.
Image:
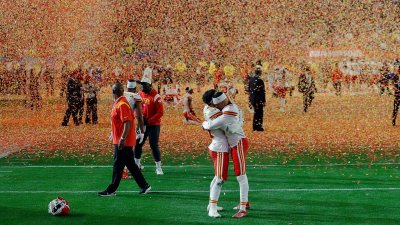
{"x":218,"y":43}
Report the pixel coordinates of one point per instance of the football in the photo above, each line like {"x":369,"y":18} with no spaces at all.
{"x":59,"y":207}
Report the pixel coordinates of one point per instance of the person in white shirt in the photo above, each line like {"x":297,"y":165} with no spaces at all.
{"x":219,"y":152}
{"x":231,"y":122}
{"x":135,"y":102}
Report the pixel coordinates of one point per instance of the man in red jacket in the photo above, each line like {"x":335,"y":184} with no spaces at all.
{"x":124,"y":138}
{"x":153,"y":110}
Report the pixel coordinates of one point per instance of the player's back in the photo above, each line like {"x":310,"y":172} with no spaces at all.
{"x":219,"y":141}
{"x":234,"y":131}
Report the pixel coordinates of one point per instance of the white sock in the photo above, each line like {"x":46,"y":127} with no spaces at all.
{"x":244,"y":191}
{"x":158,"y":165}
{"x":137,"y":161}
{"x":215,"y":190}
{"x":283,"y":103}
{"x":212,"y":183}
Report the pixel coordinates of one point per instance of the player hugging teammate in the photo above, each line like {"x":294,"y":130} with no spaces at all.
{"x":224,"y":122}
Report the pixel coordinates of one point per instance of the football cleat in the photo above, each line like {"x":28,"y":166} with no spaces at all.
{"x":141,"y":167}
{"x":145,"y":190}
{"x":106,"y":194}
{"x":214,"y":214}
{"x":219,"y":208}
{"x":159,"y":171}
{"x":240,"y":214}
{"x":238,"y":206}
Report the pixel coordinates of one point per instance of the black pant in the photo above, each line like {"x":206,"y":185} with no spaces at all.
{"x":72,"y":109}
{"x":258,"y":116}
{"x":396,"y":104}
{"x":91,"y":110}
{"x":307,"y":100}
{"x":153,"y":133}
{"x":124,"y":158}
{"x":338,"y":87}
{"x":81,"y":106}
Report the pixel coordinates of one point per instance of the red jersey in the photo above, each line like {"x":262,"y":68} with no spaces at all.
{"x":121,"y":113}
{"x":337,"y":75}
{"x":152,"y":107}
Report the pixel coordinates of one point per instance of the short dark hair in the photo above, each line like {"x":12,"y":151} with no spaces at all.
{"x":208,"y":95}
{"x":118,"y":89}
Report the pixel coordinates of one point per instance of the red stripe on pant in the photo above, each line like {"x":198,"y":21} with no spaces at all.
{"x":239,"y":153}
{"x":221,"y":163}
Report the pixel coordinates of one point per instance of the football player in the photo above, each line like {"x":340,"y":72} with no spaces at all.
{"x":231,"y":121}
{"x":219,"y":153}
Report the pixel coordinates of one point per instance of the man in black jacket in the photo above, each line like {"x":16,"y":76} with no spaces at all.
{"x":396,"y":104}
{"x":73,"y":98}
{"x":257,"y":99}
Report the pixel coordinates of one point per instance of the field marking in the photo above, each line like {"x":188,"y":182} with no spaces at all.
{"x":6,"y":171}
{"x":207,"y":191}
{"x":194,"y":166}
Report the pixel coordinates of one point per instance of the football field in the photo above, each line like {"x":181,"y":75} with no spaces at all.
{"x":279,"y":194}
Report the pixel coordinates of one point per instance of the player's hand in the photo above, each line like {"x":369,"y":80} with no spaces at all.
{"x":139,"y":138}
{"x":110,"y":137}
{"x":206,"y":125}
{"x":121,"y":144}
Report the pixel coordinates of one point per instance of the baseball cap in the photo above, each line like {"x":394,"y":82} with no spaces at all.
{"x":131,"y":84}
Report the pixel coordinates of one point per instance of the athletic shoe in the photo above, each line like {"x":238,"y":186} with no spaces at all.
{"x":219,"y":208}
{"x":145,"y":190}
{"x":106,"y":194}
{"x":214,"y":214}
{"x":141,"y":167}
{"x":159,"y":171}
{"x":238,"y":206}
{"x":240,"y":214}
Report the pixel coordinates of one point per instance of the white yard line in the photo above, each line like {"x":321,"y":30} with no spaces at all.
{"x":206,"y":191}
{"x":194,"y":166}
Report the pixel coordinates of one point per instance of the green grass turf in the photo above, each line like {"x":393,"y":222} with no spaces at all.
{"x":279,"y":195}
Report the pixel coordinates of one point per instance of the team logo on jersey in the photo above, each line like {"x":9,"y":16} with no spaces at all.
{"x":146,"y":101}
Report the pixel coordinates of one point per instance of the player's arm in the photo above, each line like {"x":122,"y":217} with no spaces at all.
{"x":126,"y":117}
{"x":226,"y":118}
{"x":139,"y":115}
{"x":159,"y":109}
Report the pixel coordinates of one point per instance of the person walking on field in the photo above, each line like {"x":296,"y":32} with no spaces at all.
{"x":153,"y":110}
{"x":124,"y":139}
{"x":307,"y":87}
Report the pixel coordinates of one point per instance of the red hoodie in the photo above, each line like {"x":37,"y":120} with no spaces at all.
{"x":152,"y":107}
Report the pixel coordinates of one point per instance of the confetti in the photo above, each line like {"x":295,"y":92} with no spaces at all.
{"x":354,"y":43}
